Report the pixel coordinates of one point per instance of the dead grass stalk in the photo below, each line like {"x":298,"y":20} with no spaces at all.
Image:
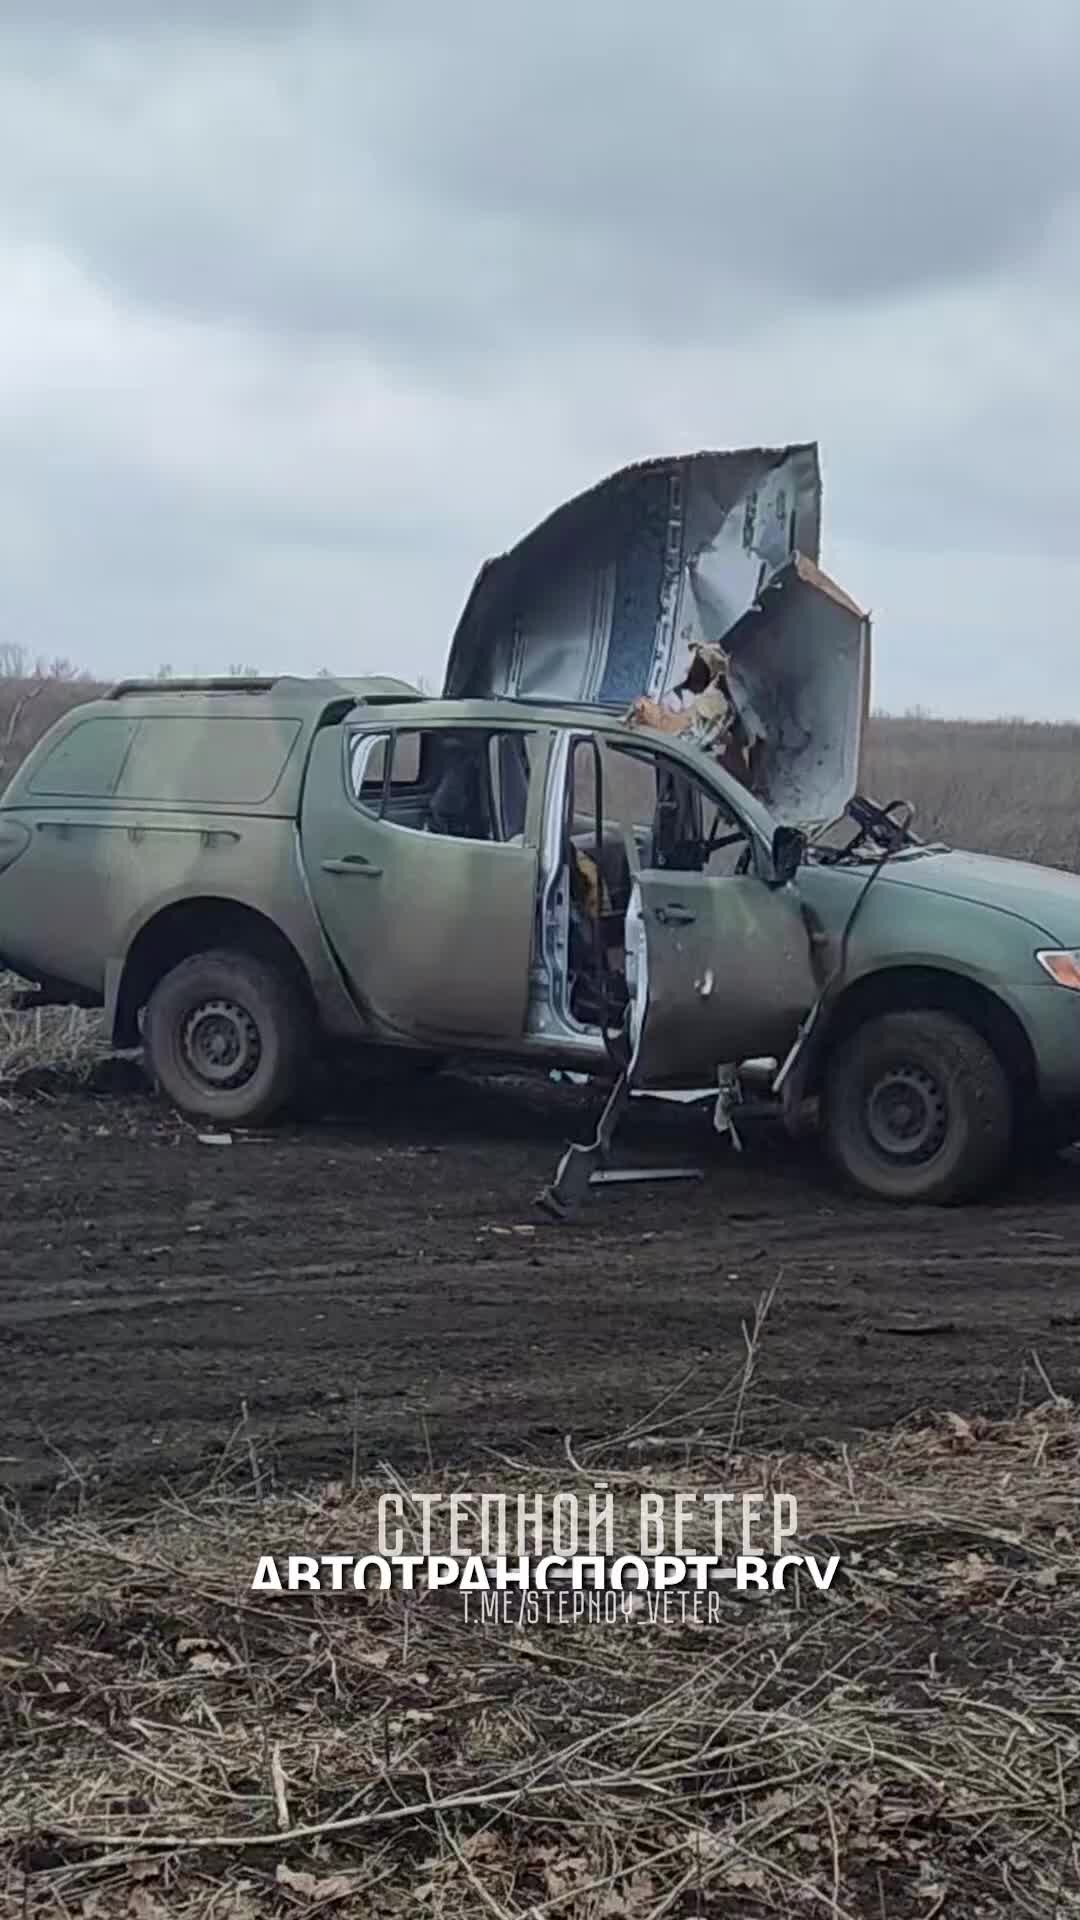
{"x":909,"y":1743}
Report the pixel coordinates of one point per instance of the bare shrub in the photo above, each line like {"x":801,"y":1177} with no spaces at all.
{"x":13,"y":661}
{"x":29,"y":706}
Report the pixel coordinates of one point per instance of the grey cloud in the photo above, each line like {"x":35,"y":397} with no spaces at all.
{"x":476,"y":179}
{"x":129,"y":569}
{"x":845,"y":150}
{"x":544,"y":241}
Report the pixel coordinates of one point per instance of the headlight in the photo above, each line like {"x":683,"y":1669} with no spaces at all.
{"x":1063,"y":967}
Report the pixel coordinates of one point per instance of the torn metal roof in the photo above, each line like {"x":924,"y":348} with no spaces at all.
{"x":589,"y":605}
{"x":614,"y":596}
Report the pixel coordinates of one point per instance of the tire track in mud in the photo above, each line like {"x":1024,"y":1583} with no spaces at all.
{"x":351,"y":1272}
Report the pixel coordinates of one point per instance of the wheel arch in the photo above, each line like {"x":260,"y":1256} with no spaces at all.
{"x":192,"y":926}
{"x":911,"y":988}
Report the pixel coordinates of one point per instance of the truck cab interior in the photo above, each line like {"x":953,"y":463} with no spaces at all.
{"x":471,"y":784}
{"x":630,"y":798}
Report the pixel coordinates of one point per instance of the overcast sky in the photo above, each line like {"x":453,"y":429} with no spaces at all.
{"x":304,"y":310}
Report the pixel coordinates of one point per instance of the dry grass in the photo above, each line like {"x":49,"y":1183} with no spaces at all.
{"x":66,"y":1040}
{"x":1007,"y":786}
{"x":908,"y":1744}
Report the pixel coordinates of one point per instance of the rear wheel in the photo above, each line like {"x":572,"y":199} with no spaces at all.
{"x":226,"y":1035}
{"x":918,"y":1107}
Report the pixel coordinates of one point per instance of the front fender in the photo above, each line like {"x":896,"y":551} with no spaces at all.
{"x":998,"y":1008}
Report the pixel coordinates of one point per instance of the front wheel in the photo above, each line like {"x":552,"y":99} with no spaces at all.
{"x":226,"y":1035}
{"x":918,"y":1107}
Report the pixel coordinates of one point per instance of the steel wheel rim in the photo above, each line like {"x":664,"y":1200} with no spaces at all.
{"x":906,"y":1115}
{"x":220,"y":1044}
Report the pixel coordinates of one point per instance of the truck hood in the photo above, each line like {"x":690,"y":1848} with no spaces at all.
{"x":1046,"y":897}
{"x":706,"y":564}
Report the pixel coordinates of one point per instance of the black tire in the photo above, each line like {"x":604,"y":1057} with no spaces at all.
{"x":227,"y":1037}
{"x":918,"y":1107}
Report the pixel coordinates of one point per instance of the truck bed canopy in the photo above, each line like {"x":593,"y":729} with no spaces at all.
{"x":699,"y":568}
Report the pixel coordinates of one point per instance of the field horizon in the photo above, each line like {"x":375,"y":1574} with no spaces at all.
{"x":1007,"y":786}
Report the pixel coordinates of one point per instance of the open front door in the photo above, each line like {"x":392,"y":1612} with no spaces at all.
{"x":424,"y":884}
{"x":719,"y":961}
{"x":722,"y":972}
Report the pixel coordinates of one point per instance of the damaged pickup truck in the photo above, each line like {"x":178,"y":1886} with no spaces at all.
{"x":628,"y":841}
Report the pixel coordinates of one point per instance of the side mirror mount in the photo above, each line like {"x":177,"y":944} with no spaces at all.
{"x":788,"y":847}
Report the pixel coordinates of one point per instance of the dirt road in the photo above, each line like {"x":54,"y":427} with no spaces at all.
{"x":361,"y":1282}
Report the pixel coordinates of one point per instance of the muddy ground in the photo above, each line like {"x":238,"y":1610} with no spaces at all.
{"x":352,"y":1280}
